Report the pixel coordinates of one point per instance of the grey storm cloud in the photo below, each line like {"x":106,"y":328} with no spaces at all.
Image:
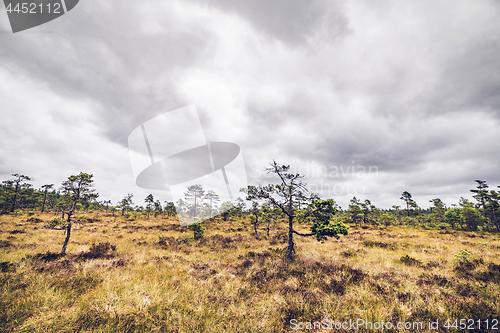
{"x":410,"y":88}
{"x":105,"y":55}
{"x":290,"y":21}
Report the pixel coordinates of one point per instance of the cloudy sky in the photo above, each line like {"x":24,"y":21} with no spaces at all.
{"x":366,"y":98}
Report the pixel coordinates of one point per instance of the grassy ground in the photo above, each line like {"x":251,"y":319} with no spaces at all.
{"x":148,"y":275}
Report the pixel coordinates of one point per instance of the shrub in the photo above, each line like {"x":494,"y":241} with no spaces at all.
{"x":48,"y":256}
{"x":409,"y":261}
{"x":31,"y":213}
{"x":464,"y":263}
{"x":176,"y":244}
{"x":432,"y":279}
{"x":390,"y":246}
{"x":99,"y":250}
{"x":56,"y":222}
{"x":218,"y":242}
{"x":6,"y":266}
{"x":198,"y":230}
{"x":492,"y":274}
{"x":163,"y":240}
{"x":5,"y":243}
{"x":462,"y":257}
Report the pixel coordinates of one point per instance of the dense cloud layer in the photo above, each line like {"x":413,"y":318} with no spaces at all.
{"x":365,"y":98}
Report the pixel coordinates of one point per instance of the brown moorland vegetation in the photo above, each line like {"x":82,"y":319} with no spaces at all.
{"x":125,"y":275}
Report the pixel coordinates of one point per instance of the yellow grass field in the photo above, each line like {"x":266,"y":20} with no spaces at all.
{"x":144,"y":275}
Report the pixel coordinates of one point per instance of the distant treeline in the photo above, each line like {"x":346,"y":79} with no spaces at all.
{"x":17,"y":195}
{"x":481,"y":215}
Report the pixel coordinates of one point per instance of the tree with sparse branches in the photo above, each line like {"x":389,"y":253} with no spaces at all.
{"x":195,"y":194}
{"x":75,"y":189}
{"x":481,"y":193}
{"x":150,"y":200}
{"x":106,"y":204}
{"x":493,"y":206}
{"x":355,"y":211}
{"x":290,"y":194}
{"x":126,"y":203}
{"x":406,"y":197}
{"x":226,"y":208}
{"x":368,"y":210}
{"x":17,"y":184}
{"x":255,"y":216}
{"x":46,"y":189}
{"x":438,"y":210}
{"x":170,"y":209}
{"x":158,"y":209}
{"x":211,"y":196}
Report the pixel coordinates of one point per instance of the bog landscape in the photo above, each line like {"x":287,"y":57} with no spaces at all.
{"x":283,"y":261}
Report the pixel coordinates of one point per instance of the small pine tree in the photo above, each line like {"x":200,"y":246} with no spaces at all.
{"x":198,"y":230}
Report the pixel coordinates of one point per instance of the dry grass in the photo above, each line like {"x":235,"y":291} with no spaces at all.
{"x":149,"y":275}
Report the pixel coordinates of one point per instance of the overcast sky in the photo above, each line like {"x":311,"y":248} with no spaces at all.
{"x":366,"y":98}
